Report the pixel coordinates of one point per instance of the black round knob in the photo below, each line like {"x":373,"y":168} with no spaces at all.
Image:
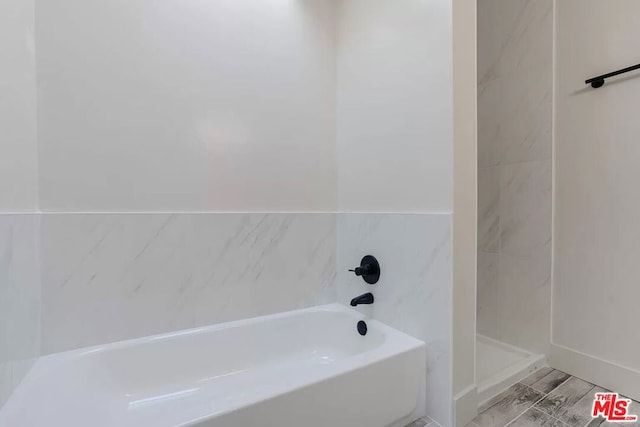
{"x":369,"y":269}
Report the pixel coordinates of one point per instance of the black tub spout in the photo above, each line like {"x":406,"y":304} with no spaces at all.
{"x":362,"y":299}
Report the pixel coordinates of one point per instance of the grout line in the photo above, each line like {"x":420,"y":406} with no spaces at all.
{"x":559,"y":385}
{"x":556,"y":387}
{"x":541,"y":391}
{"x":523,"y":412}
{"x":551,"y":416}
{"x":535,"y":389}
{"x":222,"y":212}
{"x":499,"y":268}
{"x":519,"y":162}
{"x":554,"y":88}
{"x":546,"y":394}
{"x":533,"y":406}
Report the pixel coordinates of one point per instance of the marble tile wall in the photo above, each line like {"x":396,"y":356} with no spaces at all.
{"x":515,"y":54}
{"x":19,"y":298}
{"x":74,"y":280}
{"x":110,"y":277}
{"x":414,"y":291}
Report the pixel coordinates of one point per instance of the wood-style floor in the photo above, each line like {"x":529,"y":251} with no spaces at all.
{"x":547,"y":398}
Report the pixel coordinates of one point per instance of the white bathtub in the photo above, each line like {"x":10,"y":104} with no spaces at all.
{"x":302,"y":368}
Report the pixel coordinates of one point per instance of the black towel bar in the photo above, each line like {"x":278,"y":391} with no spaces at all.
{"x":597,"y":82}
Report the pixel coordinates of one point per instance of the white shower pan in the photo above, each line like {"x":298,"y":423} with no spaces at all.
{"x":500,"y":365}
{"x":307,"y":367}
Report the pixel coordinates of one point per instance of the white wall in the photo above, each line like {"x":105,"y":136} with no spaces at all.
{"x":414,"y":291}
{"x":149,"y":106}
{"x":19,"y":274}
{"x":394,"y":154}
{"x":515,"y":85}
{"x":18,"y":155}
{"x":394,"y":114}
{"x":597,"y":203}
{"x":20,"y":300}
{"x":253,"y":106}
{"x":216,"y":105}
{"x":231,"y":106}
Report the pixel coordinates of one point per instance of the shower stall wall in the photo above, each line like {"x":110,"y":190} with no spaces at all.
{"x":515,"y":59}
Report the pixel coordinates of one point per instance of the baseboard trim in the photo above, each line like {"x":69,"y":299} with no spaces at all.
{"x":602,"y":372}
{"x":465,"y":406}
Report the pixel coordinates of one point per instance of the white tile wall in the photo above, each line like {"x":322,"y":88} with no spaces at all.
{"x":19,"y":275}
{"x":524,"y":299}
{"x":414,"y":291}
{"x":18,"y":146}
{"x":515,"y":81}
{"x":217,"y":105}
{"x":109,"y":277}
{"x":515,"y":53}
{"x":487,"y":298}
{"x":394,"y":106}
{"x":525,"y":207}
{"x":152,"y":108}
{"x":20,"y":298}
{"x":488,"y":209}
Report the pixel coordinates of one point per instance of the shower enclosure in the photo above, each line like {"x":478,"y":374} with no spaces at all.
{"x":515,"y":83}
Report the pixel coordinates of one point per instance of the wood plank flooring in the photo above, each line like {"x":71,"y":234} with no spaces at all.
{"x":547,"y":398}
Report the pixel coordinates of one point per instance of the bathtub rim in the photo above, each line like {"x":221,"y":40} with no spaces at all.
{"x":395,"y":343}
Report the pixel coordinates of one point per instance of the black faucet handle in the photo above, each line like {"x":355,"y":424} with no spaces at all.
{"x":369,"y":269}
{"x":365,"y":269}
